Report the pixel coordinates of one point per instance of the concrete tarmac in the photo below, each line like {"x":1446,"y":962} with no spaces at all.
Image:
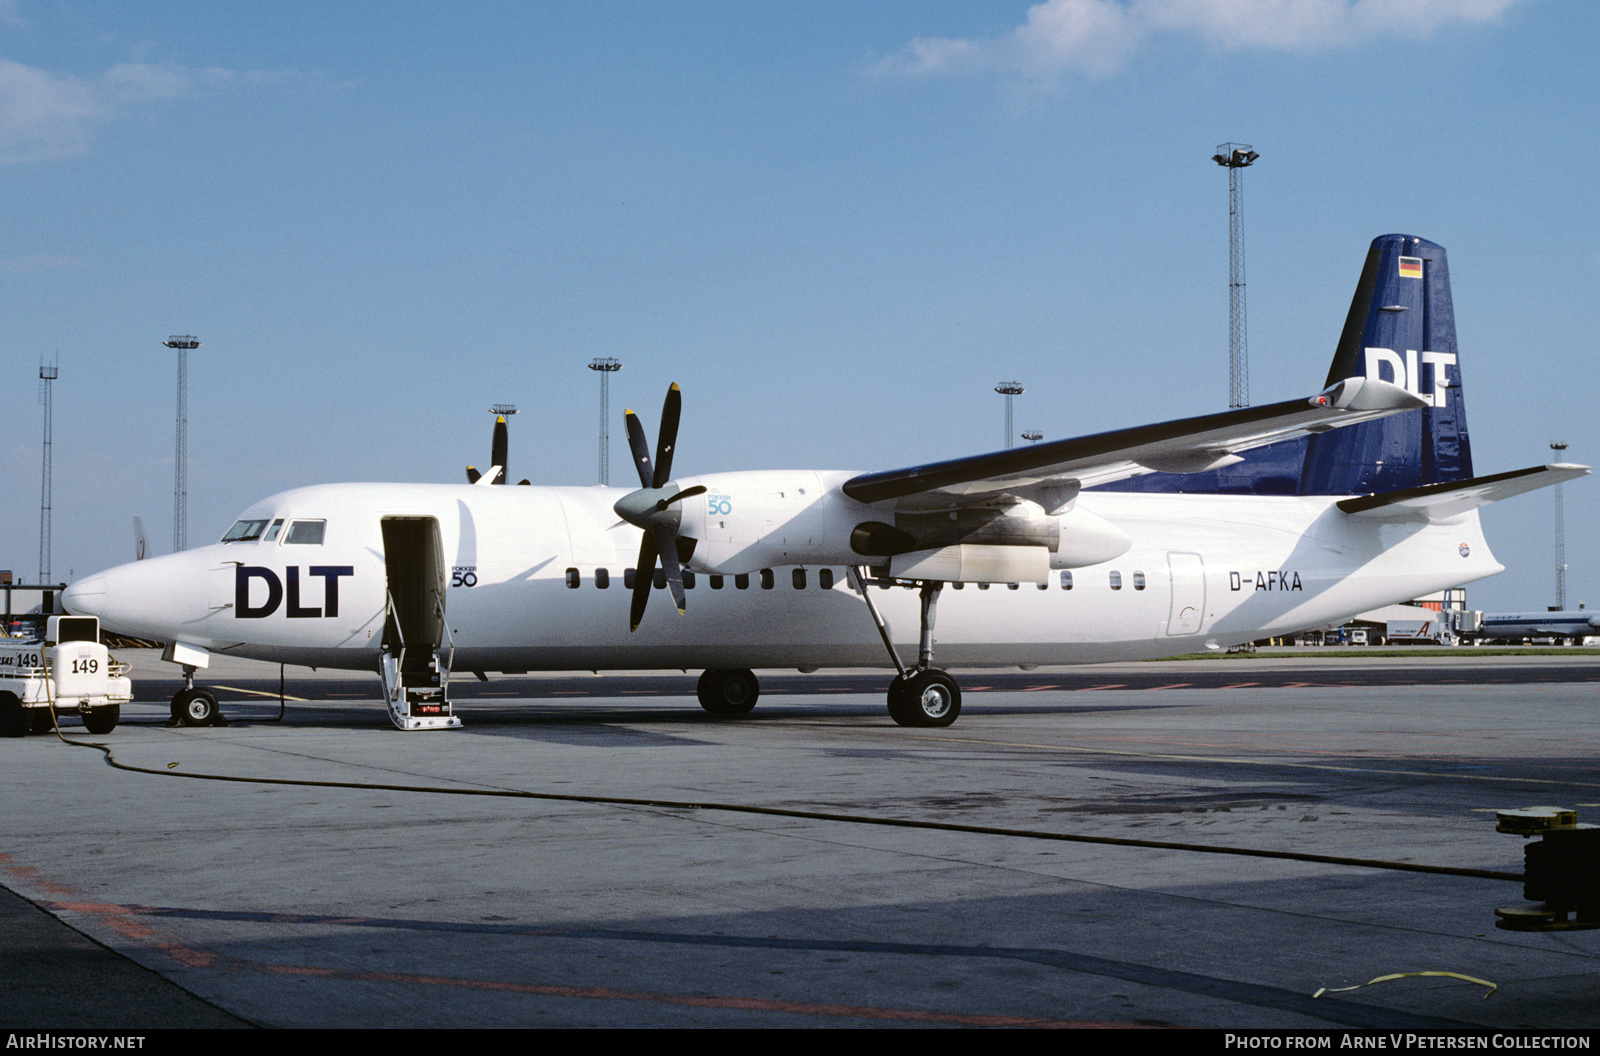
{"x":340,"y":903}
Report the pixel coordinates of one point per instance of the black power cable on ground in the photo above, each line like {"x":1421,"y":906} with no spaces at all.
{"x":813,"y":815}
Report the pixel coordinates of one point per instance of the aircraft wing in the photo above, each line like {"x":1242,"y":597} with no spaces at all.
{"x":1184,"y":446}
{"x":1436,"y":503}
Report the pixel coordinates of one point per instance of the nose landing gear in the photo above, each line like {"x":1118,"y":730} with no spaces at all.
{"x":195,"y":705}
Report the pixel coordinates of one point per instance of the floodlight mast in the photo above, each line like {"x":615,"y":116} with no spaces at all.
{"x":605,"y":366}
{"x":1558,"y":447}
{"x":47,"y":376}
{"x":1009,"y":389}
{"x":183,"y":343}
{"x":1236,"y":157}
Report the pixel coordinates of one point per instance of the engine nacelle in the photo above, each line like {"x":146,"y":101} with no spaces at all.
{"x":752,"y":520}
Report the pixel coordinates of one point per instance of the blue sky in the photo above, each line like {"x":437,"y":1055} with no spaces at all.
{"x":836,"y":225}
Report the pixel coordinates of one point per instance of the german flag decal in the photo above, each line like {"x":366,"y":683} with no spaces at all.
{"x":1411,"y":267}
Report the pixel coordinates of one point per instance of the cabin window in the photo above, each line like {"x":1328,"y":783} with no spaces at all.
{"x":766,"y":579}
{"x":277,"y":526}
{"x":661,"y":579}
{"x":688,"y":580}
{"x":574,"y":581}
{"x":825,"y":578}
{"x":244,"y":531}
{"x":1066,"y":581}
{"x":799,"y":577}
{"x":959,"y":585}
{"x":742,"y":581}
{"x":306,"y":532}
{"x":602,"y":578}
{"x":1012,"y":586}
{"x":627,"y":578}
{"x":1116,"y":581}
{"x":716,"y":582}
{"x":983,"y":586}
{"x":1138,"y":581}
{"x":1044,"y":586}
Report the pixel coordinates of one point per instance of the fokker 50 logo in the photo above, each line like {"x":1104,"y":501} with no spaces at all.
{"x":278,"y":590}
{"x":1406,"y":371}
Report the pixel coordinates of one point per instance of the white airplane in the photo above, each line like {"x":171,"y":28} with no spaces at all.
{"x":1159,"y":540}
{"x":1576,"y":624}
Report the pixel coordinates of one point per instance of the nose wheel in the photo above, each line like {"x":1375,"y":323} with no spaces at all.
{"x":195,"y":705}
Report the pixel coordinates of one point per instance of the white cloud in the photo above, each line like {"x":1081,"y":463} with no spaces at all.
{"x":33,"y":263}
{"x":46,"y":116}
{"x":1095,"y":37}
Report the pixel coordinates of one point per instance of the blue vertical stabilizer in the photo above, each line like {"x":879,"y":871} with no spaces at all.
{"x":1401,"y":328}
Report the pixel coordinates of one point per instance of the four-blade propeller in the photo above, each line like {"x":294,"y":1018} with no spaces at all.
{"x":497,"y":455}
{"x":654,"y":507}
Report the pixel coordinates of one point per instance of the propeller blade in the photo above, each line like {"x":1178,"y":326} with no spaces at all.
{"x":498,"y":447}
{"x":668,"y":437}
{"x":686,"y":493}
{"x":650,"y":509}
{"x":472,"y":475}
{"x":643,"y":574}
{"x":667,"y":547}
{"x":641,"y":448}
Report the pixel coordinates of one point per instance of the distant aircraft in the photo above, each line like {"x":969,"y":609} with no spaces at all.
{"x":1576,"y":624}
{"x":1186,"y":535}
{"x":141,"y":545}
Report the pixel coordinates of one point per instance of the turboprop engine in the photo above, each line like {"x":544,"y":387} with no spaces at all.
{"x":752,"y":520}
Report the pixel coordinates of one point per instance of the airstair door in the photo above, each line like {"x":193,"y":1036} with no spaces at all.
{"x":415,"y":661}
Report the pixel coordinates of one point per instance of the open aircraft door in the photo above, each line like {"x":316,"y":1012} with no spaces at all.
{"x":415,"y":659}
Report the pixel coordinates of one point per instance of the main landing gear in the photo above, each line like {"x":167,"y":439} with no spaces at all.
{"x":195,"y":705}
{"x":728,"y":692}
{"x":924,"y":695}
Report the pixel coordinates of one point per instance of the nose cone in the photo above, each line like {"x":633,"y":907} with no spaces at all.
{"x":86,"y":597}
{"x":155,"y":598}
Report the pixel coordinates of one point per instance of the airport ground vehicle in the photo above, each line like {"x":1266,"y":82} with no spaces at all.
{"x":70,"y":670}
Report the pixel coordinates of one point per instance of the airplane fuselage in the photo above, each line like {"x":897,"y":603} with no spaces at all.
{"x":525,"y":568}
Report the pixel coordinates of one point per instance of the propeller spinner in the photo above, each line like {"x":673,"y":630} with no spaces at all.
{"x":654,"y":507}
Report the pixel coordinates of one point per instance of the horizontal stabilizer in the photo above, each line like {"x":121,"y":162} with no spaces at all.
{"x":1441,"y":503}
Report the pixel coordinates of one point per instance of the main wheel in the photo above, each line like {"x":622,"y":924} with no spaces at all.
{"x":14,"y":718}
{"x":924,"y":698}
{"x":724,"y":692}
{"x":102,"y":719}
{"x":196,"y":707}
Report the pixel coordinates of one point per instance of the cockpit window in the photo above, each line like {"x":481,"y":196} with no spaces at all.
{"x":277,"y":526}
{"x":244,"y":531}
{"x":306,"y":532}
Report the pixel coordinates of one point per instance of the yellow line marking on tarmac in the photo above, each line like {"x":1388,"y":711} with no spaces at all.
{"x":261,"y":693}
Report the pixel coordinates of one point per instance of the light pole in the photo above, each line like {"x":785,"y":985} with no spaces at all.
{"x":1561,"y":536}
{"x":605,"y":366}
{"x":180,"y":485}
{"x":47,"y":376}
{"x":1236,"y":157}
{"x":1009,"y":389}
